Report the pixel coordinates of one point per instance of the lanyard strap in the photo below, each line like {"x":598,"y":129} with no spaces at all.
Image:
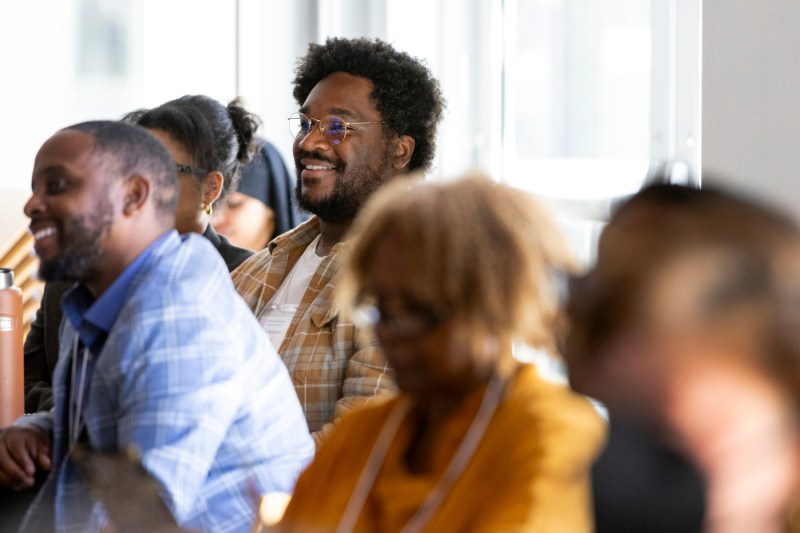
{"x":491,"y":400}
{"x":77,"y":392}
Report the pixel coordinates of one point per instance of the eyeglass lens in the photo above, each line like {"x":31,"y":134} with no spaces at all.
{"x":333,"y":129}
{"x":408,"y":322}
{"x":191,"y":170}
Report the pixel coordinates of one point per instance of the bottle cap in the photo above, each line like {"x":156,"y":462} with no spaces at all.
{"x":6,"y":278}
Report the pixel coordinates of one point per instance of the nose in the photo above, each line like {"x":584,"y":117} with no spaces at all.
{"x":313,"y":139}
{"x":34,"y":205}
{"x":390,"y":337}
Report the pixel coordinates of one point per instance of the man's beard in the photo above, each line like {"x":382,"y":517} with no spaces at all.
{"x":350,"y":191}
{"x":80,"y":252}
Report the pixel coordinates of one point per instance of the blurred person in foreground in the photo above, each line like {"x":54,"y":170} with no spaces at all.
{"x":688,"y":327}
{"x":448,"y":275}
{"x":157,"y":351}
{"x":261,"y":207}
{"x":367,"y":115}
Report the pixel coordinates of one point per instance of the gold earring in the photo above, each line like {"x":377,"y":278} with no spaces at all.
{"x":208,"y":209}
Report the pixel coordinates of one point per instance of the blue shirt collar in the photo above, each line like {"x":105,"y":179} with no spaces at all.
{"x":93,"y":318}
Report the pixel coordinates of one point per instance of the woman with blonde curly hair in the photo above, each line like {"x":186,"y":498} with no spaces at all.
{"x":449,"y":274}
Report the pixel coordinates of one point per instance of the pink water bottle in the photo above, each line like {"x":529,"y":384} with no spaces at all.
{"x":12,"y":374}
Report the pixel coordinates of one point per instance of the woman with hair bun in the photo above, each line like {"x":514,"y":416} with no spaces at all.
{"x":209,"y":143}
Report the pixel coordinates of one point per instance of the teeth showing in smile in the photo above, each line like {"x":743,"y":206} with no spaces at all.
{"x":318,"y":167}
{"x":44,"y":232}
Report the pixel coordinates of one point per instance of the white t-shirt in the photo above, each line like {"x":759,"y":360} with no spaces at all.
{"x":278,"y":313}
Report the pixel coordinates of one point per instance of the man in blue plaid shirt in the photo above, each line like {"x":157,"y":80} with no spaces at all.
{"x":158,"y":352}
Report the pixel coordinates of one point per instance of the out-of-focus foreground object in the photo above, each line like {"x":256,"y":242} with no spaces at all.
{"x":16,"y":252}
{"x":12,"y":390}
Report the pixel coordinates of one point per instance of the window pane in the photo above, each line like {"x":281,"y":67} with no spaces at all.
{"x":580,"y":76}
{"x":76,"y":60}
{"x":577,"y":107}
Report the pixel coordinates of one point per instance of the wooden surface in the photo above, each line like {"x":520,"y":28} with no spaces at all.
{"x":13,"y":222}
{"x":16,"y":250}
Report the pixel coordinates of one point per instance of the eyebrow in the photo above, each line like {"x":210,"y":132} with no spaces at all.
{"x":338,"y":111}
{"x":342,"y":112}
{"x":57,"y":168}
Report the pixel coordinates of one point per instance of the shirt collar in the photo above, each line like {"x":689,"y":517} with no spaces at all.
{"x":93,"y":318}
{"x":302,"y":235}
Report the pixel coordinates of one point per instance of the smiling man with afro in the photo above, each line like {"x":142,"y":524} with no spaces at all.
{"x":367,"y":115}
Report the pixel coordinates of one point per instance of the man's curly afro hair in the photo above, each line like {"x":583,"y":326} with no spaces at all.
{"x":405,"y":92}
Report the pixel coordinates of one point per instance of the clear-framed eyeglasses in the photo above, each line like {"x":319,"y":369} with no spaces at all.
{"x":333,"y":129}
{"x":197,"y":171}
{"x":408,"y":322}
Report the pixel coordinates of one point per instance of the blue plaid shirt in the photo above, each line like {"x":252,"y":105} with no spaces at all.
{"x":188,"y":377}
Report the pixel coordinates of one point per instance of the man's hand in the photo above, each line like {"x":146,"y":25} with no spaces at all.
{"x":22,"y":451}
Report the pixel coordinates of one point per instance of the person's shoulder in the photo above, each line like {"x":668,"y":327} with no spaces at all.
{"x":369,"y":415}
{"x":362,"y":424}
{"x":233,"y":255}
{"x":549,"y":422}
{"x":253,"y":265}
{"x":193,"y":258}
{"x":547,"y":403}
{"x":189,"y":283}
{"x":300,"y":236}
{"x":180,"y":263}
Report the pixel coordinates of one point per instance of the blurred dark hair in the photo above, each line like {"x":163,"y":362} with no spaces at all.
{"x":735,"y":254}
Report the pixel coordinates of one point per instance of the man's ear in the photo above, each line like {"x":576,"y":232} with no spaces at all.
{"x":212,"y":187}
{"x":403,"y":150}
{"x":138,"y":190}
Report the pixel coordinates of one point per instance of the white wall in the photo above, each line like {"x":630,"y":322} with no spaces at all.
{"x":162,"y":50}
{"x":751,"y":98}
{"x":33,"y":88}
{"x":282,"y":31}
{"x":166,"y":49}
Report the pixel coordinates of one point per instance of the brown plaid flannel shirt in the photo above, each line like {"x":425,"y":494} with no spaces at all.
{"x":334,"y":367}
